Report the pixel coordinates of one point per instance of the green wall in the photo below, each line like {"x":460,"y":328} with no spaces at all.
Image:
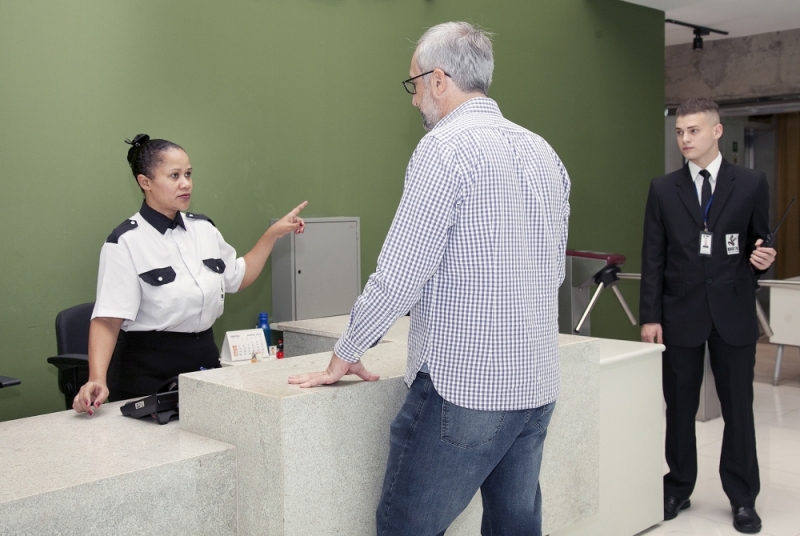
{"x":277,"y":101}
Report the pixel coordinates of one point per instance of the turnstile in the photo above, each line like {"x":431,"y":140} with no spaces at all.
{"x":575,"y":299}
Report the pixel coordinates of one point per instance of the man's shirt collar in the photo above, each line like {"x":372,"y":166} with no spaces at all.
{"x":475,"y":104}
{"x":712,"y":168}
{"x":158,"y":220}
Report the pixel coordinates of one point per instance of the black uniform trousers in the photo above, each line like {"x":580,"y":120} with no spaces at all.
{"x":682,"y":377}
{"x":144,"y":360}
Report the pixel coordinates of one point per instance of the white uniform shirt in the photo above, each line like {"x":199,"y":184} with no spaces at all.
{"x":163,"y":275}
{"x":476,"y":252}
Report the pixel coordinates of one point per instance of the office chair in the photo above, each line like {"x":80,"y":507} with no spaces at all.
{"x":72,"y":340}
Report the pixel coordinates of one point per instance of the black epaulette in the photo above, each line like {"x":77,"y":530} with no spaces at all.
{"x":122,"y":228}
{"x":196,"y":216}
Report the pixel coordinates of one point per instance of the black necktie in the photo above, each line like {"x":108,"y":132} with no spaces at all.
{"x":706,"y":192}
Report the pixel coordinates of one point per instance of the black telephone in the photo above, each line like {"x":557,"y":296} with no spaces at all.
{"x":162,"y":406}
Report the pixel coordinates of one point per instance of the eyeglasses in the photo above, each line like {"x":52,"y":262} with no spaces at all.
{"x":411,"y":86}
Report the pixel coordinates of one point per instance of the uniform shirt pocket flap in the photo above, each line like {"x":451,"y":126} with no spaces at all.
{"x":216,"y":265}
{"x":158,"y":276}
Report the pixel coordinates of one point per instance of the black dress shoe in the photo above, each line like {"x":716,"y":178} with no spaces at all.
{"x":672,"y":505}
{"x":745,"y":519}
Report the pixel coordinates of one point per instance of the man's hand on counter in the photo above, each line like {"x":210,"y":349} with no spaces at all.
{"x":337,"y":368}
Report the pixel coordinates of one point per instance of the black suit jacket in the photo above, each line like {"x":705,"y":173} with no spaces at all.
{"x":685,"y":292}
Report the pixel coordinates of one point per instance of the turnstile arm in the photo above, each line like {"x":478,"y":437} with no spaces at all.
{"x":624,"y":305}
{"x":589,"y":307}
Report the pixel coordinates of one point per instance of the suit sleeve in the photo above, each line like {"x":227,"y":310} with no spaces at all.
{"x":654,"y":252}
{"x":758,"y":226}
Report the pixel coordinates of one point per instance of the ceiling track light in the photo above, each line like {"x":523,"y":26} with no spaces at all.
{"x":699,"y":32}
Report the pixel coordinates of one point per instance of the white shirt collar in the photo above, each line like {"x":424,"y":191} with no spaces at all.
{"x":712,"y":168}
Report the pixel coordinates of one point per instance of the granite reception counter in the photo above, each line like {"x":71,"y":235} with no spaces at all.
{"x":252,"y":454}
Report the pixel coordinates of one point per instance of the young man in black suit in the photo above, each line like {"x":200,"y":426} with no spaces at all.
{"x":701,"y":258}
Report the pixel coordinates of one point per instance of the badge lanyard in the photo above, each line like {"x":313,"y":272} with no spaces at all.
{"x":706,"y":237}
{"x":705,"y":213}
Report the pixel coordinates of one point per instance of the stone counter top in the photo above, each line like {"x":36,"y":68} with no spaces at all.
{"x":75,"y":449}
{"x":255,"y":455}
{"x":54,"y":467}
{"x":270,"y":376}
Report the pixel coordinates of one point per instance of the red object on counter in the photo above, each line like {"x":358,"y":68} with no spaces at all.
{"x":279,"y":353}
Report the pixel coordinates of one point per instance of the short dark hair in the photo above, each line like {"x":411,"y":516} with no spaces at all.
{"x":697,"y":106}
{"x":145,"y":154}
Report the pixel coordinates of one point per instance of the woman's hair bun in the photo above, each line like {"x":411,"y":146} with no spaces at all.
{"x":145,"y":154}
{"x":139,"y":139}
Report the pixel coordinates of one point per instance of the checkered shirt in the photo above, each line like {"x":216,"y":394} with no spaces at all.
{"x":476,"y":253}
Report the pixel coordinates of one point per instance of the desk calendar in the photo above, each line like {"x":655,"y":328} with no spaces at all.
{"x":243,"y":345}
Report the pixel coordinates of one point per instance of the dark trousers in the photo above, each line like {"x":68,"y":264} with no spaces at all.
{"x":733,"y":375}
{"x":143,"y":360}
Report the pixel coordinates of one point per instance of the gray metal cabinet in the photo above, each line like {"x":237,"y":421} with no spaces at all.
{"x":317,"y":273}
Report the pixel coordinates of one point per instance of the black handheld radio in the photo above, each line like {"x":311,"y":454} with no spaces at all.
{"x":770,"y":240}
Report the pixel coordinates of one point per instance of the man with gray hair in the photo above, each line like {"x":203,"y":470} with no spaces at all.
{"x":476,"y":253}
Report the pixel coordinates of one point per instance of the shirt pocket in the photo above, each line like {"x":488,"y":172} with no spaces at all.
{"x":158,"y":276}
{"x":215,"y":265}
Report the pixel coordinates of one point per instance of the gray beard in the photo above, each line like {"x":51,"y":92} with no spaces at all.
{"x":428,"y":123}
{"x":429,"y":120}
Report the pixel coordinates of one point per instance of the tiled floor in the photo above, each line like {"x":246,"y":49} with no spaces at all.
{"x":777,"y":416}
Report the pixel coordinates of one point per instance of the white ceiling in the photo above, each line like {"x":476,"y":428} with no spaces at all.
{"x":738,"y":17}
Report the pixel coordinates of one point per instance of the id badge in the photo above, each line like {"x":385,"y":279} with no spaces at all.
{"x":705,"y":243}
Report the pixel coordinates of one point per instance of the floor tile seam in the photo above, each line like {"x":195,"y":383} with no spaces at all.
{"x":714,"y":457}
{"x":781,"y":390}
{"x":795,"y":406}
{"x":729,"y":525}
{"x":766,"y":386}
{"x":777,"y":440}
{"x":787,"y":413}
{"x":761,"y":390}
{"x":763,"y":462}
{"x":717,"y":443}
{"x":716,"y":521}
{"x":782,"y":469}
{"x":772,"y":414}
{"x":705,"y":444}
{"x":767,"y":486}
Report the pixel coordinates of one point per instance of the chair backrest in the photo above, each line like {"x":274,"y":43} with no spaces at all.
{"x":72,"y":329}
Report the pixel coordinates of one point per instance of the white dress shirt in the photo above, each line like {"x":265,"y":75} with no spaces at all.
{"x":712,"y":168}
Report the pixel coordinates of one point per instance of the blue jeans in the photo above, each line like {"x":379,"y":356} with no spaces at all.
{"x":441,"y":454}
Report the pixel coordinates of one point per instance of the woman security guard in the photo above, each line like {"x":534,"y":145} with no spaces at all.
{"x":162,"y":281}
